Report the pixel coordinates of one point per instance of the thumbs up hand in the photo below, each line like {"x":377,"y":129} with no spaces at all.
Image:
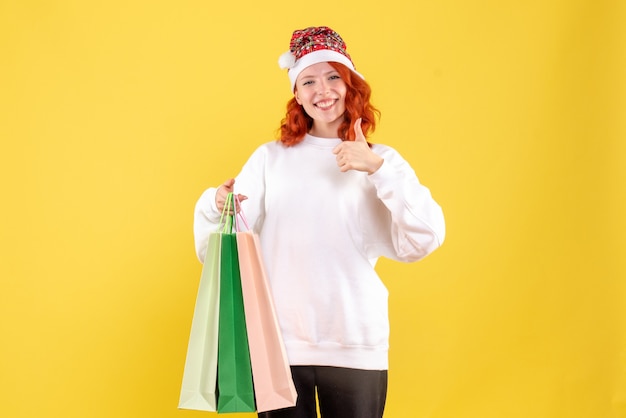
{"x":357,"y":155}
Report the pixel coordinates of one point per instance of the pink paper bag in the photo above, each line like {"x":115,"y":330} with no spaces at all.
{"x":273,"y":384}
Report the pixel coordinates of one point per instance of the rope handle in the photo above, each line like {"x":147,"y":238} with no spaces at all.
{"x":226,"y":219}
{"x":231,"y":215}
{"x":239,"y":215}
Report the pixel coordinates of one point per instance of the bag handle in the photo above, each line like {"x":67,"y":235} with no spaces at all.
{"x":239,"y":214}
{"x":231,"y":214}
{"x":226,"y":219}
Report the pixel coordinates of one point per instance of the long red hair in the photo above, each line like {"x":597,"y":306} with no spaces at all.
{"x":297,"y":123}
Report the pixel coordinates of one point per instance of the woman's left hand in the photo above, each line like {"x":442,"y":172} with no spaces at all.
{"x":357,"y":154}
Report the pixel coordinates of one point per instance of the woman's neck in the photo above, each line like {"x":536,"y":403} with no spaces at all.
{"x":324,"y":133}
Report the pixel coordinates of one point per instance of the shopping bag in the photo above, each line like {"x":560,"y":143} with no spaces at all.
{"x":199,"y":376}
{"x":273,"y":383}
{"x":234,"y":376}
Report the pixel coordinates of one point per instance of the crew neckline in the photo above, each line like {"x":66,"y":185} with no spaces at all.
{"x":321,"y":142}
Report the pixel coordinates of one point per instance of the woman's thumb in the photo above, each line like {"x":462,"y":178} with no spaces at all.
{"x":358,"y":132}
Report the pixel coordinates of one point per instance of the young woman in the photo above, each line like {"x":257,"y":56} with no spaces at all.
{"x":326,"y":205}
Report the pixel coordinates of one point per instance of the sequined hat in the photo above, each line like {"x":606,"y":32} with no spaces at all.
{"x":311,"y":46}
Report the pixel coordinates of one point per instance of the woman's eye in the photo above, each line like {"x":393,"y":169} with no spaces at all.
{"x":306,"y":83}
{"x":334,"y":77}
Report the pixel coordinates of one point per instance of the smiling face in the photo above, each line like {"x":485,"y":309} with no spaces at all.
{"x":321,"y":91}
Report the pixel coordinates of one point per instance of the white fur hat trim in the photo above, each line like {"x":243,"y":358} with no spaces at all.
{"x":315,"y":57}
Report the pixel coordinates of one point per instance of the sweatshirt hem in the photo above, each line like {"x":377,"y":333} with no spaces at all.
{"x":336,"y":355}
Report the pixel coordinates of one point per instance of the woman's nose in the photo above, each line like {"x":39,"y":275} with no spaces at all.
{"x":322,"y":87}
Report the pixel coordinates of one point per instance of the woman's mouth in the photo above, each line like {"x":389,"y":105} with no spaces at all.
{"x":325,"y":104}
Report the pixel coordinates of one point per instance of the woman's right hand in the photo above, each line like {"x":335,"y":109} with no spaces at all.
{"x":222,"y":193}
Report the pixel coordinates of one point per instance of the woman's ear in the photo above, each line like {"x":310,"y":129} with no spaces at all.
{"x":295,"y":96}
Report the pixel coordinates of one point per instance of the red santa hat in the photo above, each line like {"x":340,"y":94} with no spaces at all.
{"x":311,"y":46}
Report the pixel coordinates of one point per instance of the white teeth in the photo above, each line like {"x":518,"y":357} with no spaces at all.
{"x":327,"y":103}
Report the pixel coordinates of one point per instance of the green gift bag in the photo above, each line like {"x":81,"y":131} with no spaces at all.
{"x":234,"y":371}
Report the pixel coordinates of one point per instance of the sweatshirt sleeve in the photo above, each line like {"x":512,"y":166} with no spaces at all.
{"x":250,"y":183}
{"x":417,"y":222}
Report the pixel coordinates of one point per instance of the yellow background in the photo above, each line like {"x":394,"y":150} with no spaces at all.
{"x":115,"y":116}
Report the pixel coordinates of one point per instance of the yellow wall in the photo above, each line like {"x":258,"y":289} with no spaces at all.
{"x":116,"y":115}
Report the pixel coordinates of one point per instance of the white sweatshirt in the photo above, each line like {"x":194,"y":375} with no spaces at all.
{"x":321,"y":232}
